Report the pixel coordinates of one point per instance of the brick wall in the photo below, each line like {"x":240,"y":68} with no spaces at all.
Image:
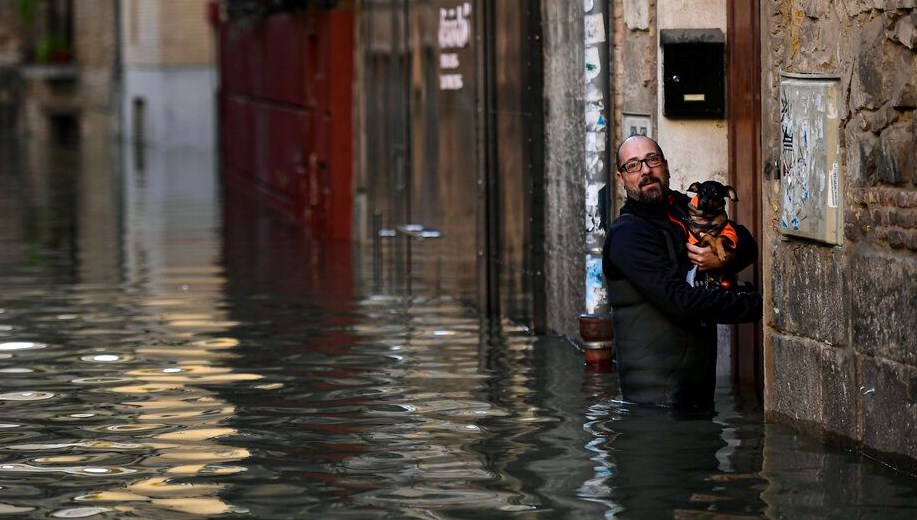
{"x":840,"y":353}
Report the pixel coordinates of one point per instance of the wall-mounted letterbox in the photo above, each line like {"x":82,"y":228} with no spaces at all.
{"x":693,"y":73}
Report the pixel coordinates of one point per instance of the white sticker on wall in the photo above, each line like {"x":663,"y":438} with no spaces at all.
{"x":595,"y":29}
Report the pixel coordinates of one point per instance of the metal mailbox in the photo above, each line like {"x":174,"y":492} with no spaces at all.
{"x":693,"y":69}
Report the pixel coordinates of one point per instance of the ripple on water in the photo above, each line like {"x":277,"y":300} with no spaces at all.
{"x":26,"y":396}
{"x":104,"y":358}
{"x":425,"y":497}
{"x":80,"y":512}
{"x":9,"y":509}
{"x":72,"y":470}
{"x":129,"y":428}
{"x":101,"y":380}
{"x":21,"y":345}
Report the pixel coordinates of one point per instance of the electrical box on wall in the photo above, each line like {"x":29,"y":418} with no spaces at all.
{"x":811,"y":183}
{"x":693,"y":70}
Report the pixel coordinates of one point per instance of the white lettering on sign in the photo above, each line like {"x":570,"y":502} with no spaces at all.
{"x":448,"y":60}
{"x":450,"y":82}
{"x":454,"y":28}
{"x":454,"y":33}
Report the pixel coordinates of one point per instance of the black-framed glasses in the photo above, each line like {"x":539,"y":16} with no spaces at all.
{"x":634,"y":165}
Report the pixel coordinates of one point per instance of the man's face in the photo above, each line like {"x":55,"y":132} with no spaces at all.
{"x":647,"y":184}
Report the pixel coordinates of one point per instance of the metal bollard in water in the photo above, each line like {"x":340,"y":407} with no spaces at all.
{"x":598,"y":341}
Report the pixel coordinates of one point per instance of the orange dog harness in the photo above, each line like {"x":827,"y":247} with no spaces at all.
{"x":727,"y":231}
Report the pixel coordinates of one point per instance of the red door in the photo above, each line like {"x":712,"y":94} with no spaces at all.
{"x":285,"y":107}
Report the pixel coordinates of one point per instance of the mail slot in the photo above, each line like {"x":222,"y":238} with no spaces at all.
{"x":693,"y":73}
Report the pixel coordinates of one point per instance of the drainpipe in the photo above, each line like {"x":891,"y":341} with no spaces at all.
{"x":595,"y":322}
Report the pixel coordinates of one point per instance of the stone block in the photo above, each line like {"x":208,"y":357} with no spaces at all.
{"x":897,"y":162}
{"x":906,"y":90}
{"x":813,"y":384}
{"x":872,"y":85}
{"x":889,"y":406}
{"x":838,"y":373}
{"x":882,"y":118}
{"x":810,"y":292}
{"x":883,"y":315}
{"x":861,"y":155}
{"x":792,"y":389}
{"x":901,"y":29}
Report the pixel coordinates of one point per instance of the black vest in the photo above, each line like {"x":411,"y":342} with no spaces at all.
{"x":659,"y":360}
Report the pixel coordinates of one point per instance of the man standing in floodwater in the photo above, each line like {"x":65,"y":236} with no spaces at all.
{"x":665,"y":329}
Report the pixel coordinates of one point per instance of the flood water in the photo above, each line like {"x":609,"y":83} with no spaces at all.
{"x":162,"y":358}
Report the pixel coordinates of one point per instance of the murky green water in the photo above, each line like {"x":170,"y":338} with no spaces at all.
{"x":160,"y":358}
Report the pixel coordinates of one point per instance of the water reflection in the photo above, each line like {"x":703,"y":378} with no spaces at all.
{"x":200,"y":358}
{"x":111,"y":361}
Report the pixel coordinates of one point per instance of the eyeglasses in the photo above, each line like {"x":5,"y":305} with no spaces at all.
{"x":635,"y":165}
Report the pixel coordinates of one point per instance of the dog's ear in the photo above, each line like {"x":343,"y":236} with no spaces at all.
{"x":732,"y":193}
{"x":694,"y":187}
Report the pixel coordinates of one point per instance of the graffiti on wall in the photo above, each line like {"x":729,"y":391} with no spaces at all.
{"x":810,"y":182}
{"x":596,"y":157}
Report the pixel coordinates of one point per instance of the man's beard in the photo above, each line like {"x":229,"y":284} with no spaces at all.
{"x":656,"y":195}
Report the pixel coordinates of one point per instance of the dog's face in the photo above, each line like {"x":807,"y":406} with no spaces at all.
{"x":711,"y":196}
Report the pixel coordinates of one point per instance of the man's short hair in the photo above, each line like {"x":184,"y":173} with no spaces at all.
{"x":628,"y":138}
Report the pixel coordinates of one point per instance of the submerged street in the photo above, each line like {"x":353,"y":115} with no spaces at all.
{"x":168,"y":350}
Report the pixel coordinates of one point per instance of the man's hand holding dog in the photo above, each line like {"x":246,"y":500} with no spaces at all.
{"x":704,"y":258}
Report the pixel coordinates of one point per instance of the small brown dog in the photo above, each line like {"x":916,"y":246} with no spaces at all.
{"x":708,"y":223}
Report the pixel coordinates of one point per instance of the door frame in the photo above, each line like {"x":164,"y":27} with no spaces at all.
{"x":743,"y":98}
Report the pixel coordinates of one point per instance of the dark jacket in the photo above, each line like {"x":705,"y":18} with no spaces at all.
{"x":665,"y":329}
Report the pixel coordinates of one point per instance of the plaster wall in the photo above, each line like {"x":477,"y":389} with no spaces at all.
{"x":179,"y":106}
{"x":168,"y":57}
{"x":697,"y":149}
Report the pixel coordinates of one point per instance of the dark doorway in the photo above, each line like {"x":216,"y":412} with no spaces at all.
{"x":453,"y":146}
{"x":515,"y":162}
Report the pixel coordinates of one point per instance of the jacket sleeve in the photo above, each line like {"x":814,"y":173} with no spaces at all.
{"x":638,"y":252}
{"x":746,"y":249}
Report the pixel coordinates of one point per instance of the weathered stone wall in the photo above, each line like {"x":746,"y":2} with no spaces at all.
{"x":840,"y":353}
{"x":565,"y":270}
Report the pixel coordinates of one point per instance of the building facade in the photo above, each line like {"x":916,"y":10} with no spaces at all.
{"x":812,"y":120}
{"x":66,"y":68}
{"x":169,"y":73}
